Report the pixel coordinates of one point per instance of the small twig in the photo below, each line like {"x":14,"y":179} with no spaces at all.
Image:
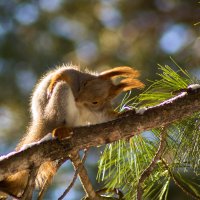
{"x":28,"y":192}
{"x":75,"y":177}
{"x":146,"y":173}
{"x":185,"y":190}
{"x":83,"y":176}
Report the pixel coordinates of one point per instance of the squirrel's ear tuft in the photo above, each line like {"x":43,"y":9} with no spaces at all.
{"x":125,"y":85}
{"x":129,"y":83}
{"x":129,"y":79}
{"x":120,"y":71}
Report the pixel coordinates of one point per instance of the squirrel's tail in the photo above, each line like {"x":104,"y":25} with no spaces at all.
{"x":15,"y":185}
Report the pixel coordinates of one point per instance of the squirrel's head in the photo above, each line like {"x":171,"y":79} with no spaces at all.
{"x":100,"y":90}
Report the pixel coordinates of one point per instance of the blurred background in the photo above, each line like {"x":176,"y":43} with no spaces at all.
{"x":37,"y":35}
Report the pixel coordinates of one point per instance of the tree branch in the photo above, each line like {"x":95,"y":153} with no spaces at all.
{"x":146,"y":173}
{"x":184,"y":189}
{"x":83,"y":176}
{"x":127,"y":125}
{"x":75,"y":177}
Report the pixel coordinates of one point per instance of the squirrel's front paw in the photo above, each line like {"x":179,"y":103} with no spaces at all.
{"x":62,"y":132}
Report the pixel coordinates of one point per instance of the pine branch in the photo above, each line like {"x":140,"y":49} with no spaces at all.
{"x":185,"y":190}
{"x":146,"y":173}
{"x":127,"y":125}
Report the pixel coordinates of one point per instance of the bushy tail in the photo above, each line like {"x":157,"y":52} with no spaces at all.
{"x":15,"y":184}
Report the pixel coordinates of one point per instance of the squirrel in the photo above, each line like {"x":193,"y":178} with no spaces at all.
{"x":64,"y":98}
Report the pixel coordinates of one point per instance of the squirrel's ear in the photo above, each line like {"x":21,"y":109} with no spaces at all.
{"x":120,"y":71}
{"x":129,"y":81}
{"x":125,"y":85}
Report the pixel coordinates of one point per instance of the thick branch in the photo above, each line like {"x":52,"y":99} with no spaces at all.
{"x":128,"y":125}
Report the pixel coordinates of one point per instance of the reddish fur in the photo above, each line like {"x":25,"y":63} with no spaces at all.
{"x":56,"y":78}
{"x":120,"y":71}
{"x":128,"y":84}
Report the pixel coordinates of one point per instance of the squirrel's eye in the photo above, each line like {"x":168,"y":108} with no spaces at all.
{"x":94,"y":102}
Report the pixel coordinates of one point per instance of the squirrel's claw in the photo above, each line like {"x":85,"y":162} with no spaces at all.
{"x":62,"y":132}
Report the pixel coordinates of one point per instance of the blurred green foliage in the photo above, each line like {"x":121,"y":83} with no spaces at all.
{"x":37,"y":35}
{"x":123,"y":162}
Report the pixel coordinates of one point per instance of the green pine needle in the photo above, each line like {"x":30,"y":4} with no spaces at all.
{"x":123,"y":162}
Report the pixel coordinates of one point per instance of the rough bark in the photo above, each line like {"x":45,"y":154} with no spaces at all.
{"x":127,"y":125}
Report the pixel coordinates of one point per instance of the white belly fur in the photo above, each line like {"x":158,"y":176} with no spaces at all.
{"x":82,"y":116}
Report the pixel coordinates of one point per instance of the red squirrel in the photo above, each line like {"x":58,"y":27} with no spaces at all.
{"x":64,"y":98}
